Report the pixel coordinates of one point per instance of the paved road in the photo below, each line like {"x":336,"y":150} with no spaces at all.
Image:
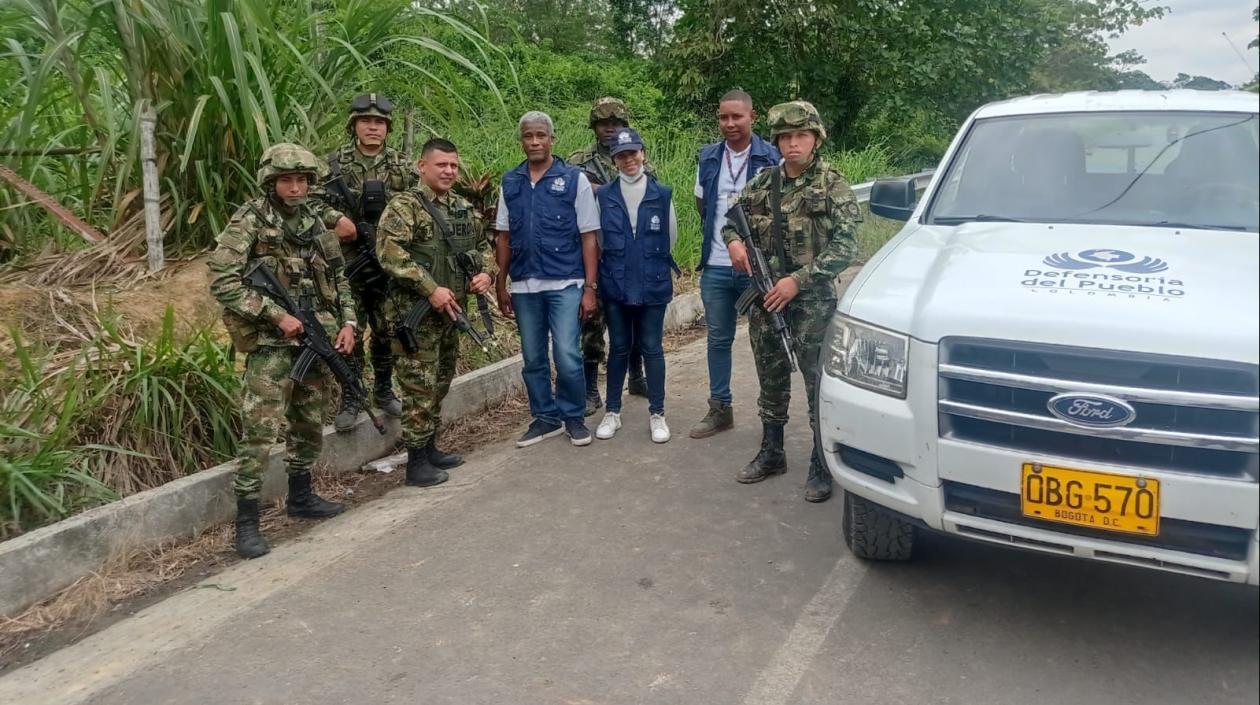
{"x":632,"y":573}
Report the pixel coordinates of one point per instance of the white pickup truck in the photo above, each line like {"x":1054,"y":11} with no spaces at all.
{"x":1058,"y":352}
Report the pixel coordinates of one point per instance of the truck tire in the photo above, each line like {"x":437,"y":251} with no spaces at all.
{"x":874,"y":533}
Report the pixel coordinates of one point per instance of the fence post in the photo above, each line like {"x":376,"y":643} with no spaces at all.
{"x":152,"y":197}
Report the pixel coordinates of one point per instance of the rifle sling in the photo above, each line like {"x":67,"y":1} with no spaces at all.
{"x":445,"y":229}
{"x":776,"y":217}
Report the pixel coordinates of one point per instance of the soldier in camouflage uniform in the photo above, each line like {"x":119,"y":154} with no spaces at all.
{"x":607,"y":116}
{"x":352,"y":169}
{"x":818,"y":217}
{"x":421,"y":232}
{"x":284,"y":231}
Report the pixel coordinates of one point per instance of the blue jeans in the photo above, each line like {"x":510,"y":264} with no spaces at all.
{"x":554,"y":315}
{"x":643,"y":326}
{"x":720,"y":287}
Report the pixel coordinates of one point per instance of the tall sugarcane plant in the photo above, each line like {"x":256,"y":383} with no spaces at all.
{"x":226,"y":77}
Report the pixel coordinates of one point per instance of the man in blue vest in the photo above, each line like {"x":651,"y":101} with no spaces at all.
{"x":547,"y":224}
{"x":724,"y":169}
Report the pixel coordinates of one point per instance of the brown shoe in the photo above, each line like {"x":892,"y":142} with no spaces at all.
{"x":720,"y":418}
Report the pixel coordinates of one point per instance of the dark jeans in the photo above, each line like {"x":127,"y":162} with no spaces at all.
{"x":643,"y":327}
{"x":552,"y":315}
{"x":720,"y":288}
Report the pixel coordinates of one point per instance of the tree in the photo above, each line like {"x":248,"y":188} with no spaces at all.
{"x":641,"y":27}
{"x":1076,"y":57}
{"x":1201,"y":83}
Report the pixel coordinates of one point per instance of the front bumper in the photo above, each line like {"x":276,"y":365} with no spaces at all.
{"x":906,"y":433}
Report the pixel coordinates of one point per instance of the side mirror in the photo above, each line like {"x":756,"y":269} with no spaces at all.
{"x":893,"y":198}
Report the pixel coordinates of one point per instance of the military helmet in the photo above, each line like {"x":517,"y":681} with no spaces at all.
{"x":367,"y":104}
{"x":795,"y":115}
{"x":608,"y":108}
{"x":287,"y":158}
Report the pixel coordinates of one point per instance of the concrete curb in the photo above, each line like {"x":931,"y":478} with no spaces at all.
{"x":36,"y":565}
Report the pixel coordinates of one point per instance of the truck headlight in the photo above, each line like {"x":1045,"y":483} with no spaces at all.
{"x":866,"y":356}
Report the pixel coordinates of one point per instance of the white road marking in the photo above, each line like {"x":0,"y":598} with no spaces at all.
{"x":778,"y":680}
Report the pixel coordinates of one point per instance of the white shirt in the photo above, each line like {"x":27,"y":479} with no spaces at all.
{"x":633,"y":192}
{"x":727,"y":188}
{"x":587,"y":221}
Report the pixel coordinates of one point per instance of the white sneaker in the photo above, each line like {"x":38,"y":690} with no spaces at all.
{"x":609,"y":426}
{"x":660,"y":429}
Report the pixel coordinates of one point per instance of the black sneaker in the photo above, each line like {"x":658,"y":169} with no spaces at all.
{"x":579,"y":434}
{"x":539,"y":431}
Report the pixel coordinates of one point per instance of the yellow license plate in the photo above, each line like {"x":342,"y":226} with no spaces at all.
{"x":1096,"y":500}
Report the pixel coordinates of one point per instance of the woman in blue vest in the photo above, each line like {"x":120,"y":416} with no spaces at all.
{"x":638,"y":226}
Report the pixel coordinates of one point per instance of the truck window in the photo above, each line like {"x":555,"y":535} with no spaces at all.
{"x":1123,"y":168}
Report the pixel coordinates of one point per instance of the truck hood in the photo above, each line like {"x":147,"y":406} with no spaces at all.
{"x":1162,"y":290}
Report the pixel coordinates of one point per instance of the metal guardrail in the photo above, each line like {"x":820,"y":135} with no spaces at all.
{"x":921,"y":181}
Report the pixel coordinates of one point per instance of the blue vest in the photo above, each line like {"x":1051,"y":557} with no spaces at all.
{"x":712,"y":160}
{"x":542,"y":223}
{"x":635,"y":268}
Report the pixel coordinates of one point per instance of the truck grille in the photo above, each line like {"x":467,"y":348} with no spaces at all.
{"x":1195,"y":416}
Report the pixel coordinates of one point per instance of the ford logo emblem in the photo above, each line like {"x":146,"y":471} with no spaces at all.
{"x":1091,"y":410}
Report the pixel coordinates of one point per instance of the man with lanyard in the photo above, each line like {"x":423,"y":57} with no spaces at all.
{"x":362,"y":176}
{"x":724,"y":169}
{"x":431,"y":245}
{"x":547,"y":226}
{"x":608,"y":115}
{"x":804,"y":215}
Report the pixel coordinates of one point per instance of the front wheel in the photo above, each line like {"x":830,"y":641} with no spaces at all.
{"x":874,"y":533}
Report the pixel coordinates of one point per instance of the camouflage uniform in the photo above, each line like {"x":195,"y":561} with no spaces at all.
{"x":597,"y":163}
{"x":418,"y":260}
{"x":306,"y":258}
{"x":819,"y":224}
{"x":398,"y":174}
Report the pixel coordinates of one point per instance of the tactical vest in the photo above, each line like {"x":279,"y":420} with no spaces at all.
{"x":437,"y":256}
{"x":635,"y":268}
{"x":542,"y":223}
{"x":307,"y":269}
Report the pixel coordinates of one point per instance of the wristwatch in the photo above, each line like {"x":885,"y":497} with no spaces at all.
{"x":593,"y":286}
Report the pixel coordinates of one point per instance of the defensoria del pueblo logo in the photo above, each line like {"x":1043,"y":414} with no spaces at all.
{"x":1112,"y":259}
{"x":1105,"y":273}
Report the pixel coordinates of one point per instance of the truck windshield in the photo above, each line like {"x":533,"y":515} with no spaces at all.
{"x":1161,"y":169}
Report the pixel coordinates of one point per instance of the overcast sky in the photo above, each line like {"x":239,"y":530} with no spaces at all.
{"x":1189,"y":39}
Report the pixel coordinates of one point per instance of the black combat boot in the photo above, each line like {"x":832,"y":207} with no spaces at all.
{"x":421,"y":472}
{"x":440,"y":458}
{"x":347,"y":413}
{"x":818,"y":484}
{"x":303,"y":502}
{"x":770,"y":460}
{"x":637,"y":384}
{"x":249,"y":541}
{"x":383,"y":396}
{"x":591,"y":371}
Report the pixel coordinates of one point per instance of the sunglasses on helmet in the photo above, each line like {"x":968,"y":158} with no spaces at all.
{"x":367,"y":100}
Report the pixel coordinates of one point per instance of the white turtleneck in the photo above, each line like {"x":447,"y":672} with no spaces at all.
{"x":633,"y":190}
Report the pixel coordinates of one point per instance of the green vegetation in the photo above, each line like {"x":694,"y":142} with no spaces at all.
{"x":105,"y":414}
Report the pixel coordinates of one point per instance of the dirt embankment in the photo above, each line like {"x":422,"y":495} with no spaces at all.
{"x":45,"y":313}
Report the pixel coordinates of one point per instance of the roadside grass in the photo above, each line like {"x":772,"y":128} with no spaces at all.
{"x":103,"y":414}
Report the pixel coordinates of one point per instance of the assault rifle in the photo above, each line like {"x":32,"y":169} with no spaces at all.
{"x":763,"y":281}
{"x":406,"y":330}
{"x":315,"y":345}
